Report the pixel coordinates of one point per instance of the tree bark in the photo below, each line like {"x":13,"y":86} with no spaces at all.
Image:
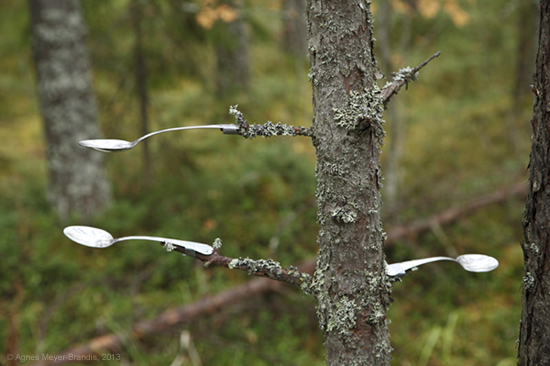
{"x":534,"y":337}
{"x":350,"y":284}
{"x":78,"y":183}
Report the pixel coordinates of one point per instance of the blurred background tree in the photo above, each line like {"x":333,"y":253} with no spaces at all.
{"x":78,"y":184}
{"x":258,"y":196}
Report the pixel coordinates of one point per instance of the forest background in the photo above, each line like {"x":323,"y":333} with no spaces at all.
{"x":460,"y":132}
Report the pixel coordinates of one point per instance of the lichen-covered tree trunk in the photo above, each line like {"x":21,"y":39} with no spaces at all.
{"x":534,"y":337}
{"x":350,"y":283}
{"x":78,"y":182}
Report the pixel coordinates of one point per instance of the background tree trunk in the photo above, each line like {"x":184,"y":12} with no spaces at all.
{"x":525,"y":56}
{"x":350,"y":283}
{"x":526,"y":49}
{"x":140,"y":73}
{"x":395,"y":117}
{"x":233,"y":70}
{"x":78,"y":182}
{"x":534,"y":337}
{"x":294,"y":28}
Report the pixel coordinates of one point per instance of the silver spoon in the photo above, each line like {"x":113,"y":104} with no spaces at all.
{"x":99,"y":238}
{"x":113,"y":145}
{"x":470,"y":262}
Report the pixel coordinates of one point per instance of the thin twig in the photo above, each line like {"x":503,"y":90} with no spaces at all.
{"x":403,"y":77}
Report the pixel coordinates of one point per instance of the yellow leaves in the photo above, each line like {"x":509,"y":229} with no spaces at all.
{"x":401,"y":7}
{"x":430,"y":8}
{"x":211,"y":12}
{"x":458,"y":15}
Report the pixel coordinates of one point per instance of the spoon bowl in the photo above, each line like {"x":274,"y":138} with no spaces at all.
{"x":98,"y":238}
{"x":477,"y":262}
{"x":470,"y":262}
{"x":108,"y":145}
{"x":89,"y":236}
{"x":114,"y":145}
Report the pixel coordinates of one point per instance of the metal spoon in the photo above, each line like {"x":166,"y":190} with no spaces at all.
{"x":470,"y":262}
{"x":99,"y":238}
{"x":113,"y":145}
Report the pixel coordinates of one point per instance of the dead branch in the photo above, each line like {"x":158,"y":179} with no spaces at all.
{"x":112,"y":343}
{"x":210,"y":304}
{"x":403,"y":77}
{"x":453,"y":214}
{"x":267,"y":129}
{"x":260,"y":267}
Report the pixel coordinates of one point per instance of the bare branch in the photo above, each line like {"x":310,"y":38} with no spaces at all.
{"x":402,"y":77}
{"x":261,"y":268}
{"x":267,"y":129}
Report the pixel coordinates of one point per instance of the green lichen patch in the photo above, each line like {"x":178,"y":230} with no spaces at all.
{"x":528,"y":281}
{"x":353,"y":113}
{"x":406,"y":74}
{"x":307,"y":284}
{"x":364,"y":106}
{"x":266,"y":130}
{"x":336,"y":169}
{"x":345,"y":214}
{"x":217,"y":244}
{"x":345,"y":318}
{"x":266,"y":265}
{"x":376,"y":283}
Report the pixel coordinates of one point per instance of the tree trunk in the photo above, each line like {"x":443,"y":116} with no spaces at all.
{"x":140,"y":73}
{"x":534,"y":337}
{"x":78,"y":182}
{"x":351,"y":286}
{"x":233,"y":71}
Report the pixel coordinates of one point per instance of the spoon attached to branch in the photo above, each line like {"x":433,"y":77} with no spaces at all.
{"x":470,"y":262}
{"x":114,"y":145}
{"x":99,"y":238}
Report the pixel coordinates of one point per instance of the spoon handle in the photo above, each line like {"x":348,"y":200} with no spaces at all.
{"x":226,"y":129}
{"x":190,"y":246}
{"x":400,"y":268}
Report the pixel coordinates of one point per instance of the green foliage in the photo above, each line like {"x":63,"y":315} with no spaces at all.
{"x":258,"y":196}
